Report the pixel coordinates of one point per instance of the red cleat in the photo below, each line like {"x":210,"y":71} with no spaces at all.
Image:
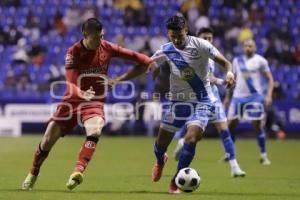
{"x":173,"y":189}
{"x":157,"y":169}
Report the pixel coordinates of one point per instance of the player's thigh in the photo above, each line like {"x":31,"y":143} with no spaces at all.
{"x":93,"y":126}
{"x":194,"y":134}
{"x":257,"y":124}
{"x":52,"y":134}
{"x":202,"y":114}
{"x":220,"y":126}
{"x":232,"y":123}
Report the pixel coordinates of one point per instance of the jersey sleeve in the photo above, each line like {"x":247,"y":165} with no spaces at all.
{"x":207,"y":48}
{"x":73,"y":91}
{"x":264,"y":65}
{"x":70,"y":59}
{"x":127,"y":54}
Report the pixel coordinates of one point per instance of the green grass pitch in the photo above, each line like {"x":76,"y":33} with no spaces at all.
{"x":121,"y":170}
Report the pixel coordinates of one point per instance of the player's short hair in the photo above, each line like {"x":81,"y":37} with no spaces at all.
{"x":176,"y":23}
{"x":205,"y":30}
{"x":91,"y":25}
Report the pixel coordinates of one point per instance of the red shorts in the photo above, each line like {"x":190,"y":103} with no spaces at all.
{"x":68,"y":115}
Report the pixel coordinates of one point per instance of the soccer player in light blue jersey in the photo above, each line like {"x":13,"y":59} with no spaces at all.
{"x":248,"y":99}
{"x":191,"y":96}
{"x":219,"y":118}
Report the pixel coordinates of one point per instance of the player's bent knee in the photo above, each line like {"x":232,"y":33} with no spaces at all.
{"x":194,"y":134}
{"x":93,"y":126}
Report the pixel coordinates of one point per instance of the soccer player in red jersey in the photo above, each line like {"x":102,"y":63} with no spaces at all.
{"x":86,"y":65}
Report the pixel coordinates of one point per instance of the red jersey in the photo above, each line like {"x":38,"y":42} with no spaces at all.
{"x":85,"y":67}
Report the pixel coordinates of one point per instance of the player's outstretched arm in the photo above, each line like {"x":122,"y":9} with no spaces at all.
{"x":229,"y":78}
{"x":73,"y":90}
{"x":268,"y":98}
{"x":127,"y":54}
{"x":131,"y":74}
{"x":215,"y":81}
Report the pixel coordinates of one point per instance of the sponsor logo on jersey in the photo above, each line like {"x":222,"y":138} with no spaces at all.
{"x":94,"y":70}
{"x":187,"y":73}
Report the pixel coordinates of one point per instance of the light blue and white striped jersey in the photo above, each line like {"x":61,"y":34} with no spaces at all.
{"x":249,"y":75}
{"x":189,"y":77}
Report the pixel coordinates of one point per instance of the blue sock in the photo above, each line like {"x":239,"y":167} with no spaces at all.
{"x":233,"y":138}
{"x":228,"y":143}
{"x":159,"y":153}
{"x":186,"y":157}
{"x":261,"y":140}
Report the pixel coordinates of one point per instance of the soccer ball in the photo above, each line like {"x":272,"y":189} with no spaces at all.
{"x":187,"y":180}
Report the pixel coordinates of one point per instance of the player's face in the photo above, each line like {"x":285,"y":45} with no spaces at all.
{"x":207,"y":36}
{"x":178,"y":37}
{"x":249,"y":47}
{"x":93,"y":39}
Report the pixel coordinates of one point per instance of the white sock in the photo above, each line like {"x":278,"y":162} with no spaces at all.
{"x":263,"y":155}
{"x":233,"y":164}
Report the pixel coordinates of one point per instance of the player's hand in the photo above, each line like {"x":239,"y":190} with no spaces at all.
{"x":268,"y":101}
{"x":212,"y":80}
{"x":154,"y":69}
{"x":216,"y":81}
{"x":89,"y":94}
{"x":229,"y":80}
{"x":111,"y":83}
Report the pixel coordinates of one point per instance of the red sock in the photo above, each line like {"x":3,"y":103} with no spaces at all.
{"x":85,"y":155}
{"x":38,"y":160}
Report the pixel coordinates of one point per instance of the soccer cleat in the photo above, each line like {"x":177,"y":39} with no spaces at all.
{"x":29,"y":182}
{"x":265,"y":161}
{"x":157,"y":169}
{"x":75,"y":179}
{"x":237,"y":172}
{"x":177,"y":151}
{"x":173,"y":189}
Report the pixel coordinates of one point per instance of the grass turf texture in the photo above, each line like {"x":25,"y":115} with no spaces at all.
{"x":121,"y":169}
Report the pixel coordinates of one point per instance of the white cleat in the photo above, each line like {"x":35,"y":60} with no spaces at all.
{"x":265,"y":161}
{"x":237,"y":172}
{"x":75,"y":179}
{"x":29,"y":182}
{"x":177,"y":151}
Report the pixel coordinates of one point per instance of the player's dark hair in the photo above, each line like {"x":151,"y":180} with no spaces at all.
{"x":176,"y":23}
{"x":205,"y":30}
{"x":91,"y":25}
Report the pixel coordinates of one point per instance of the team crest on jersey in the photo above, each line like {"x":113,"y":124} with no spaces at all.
{"x":187,"y":73}
{"x":194,"y":52}
{"x":69,"y":59}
